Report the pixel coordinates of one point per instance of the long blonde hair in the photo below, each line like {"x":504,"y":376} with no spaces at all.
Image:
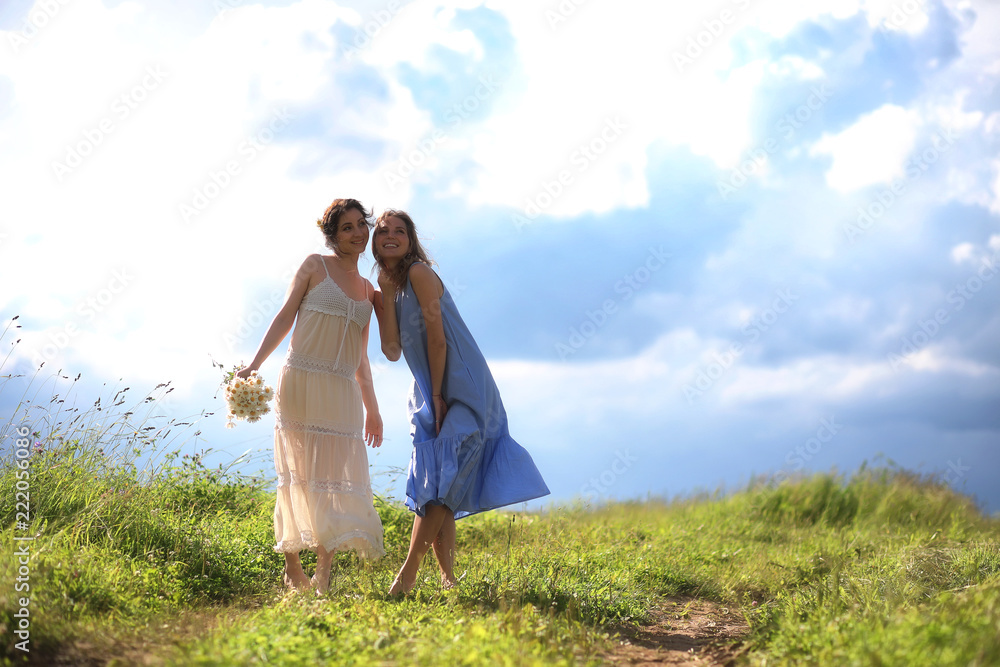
{"x":416,"y":252}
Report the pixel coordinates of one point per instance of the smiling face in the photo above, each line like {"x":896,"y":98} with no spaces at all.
{"x":352,"y":233}
{"x":392,"y":239}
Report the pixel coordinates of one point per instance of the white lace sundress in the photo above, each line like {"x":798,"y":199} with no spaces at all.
{"x":324,"y":494}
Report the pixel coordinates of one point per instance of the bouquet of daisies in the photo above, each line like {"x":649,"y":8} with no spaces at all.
{"x":246,"y":398}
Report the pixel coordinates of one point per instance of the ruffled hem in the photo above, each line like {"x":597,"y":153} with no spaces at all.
{"x":469,"y":475}
{"x":444,"y":471}
{"x":364,"y":543}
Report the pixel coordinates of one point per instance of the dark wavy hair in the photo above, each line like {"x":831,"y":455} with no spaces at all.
{"x":416,"y":253}
{"x":329,"y":224}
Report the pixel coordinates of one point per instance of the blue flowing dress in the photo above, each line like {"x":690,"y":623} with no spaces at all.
{"x":473,"y":464}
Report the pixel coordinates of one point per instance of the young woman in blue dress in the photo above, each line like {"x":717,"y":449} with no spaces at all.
{"x":463,"y":460}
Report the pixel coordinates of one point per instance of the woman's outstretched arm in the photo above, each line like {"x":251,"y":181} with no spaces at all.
{"x":283,"y":321}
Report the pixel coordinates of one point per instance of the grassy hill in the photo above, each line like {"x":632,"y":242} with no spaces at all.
{"x":172,"y":564}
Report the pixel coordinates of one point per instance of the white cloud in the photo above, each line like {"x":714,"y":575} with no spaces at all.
{"x":574,"y":86}
{"x":653,"y":385}
{"x":590,"y":110}
{"x":962,"y":252}
{"x":599,"y":71}
{"x":980,"y":47}
{"x":933,"y":359}
{"x":909,"y":16}
{"x":788,"y":66}
{"x":407,"y":33}
{"x":120,"y":207}
{"x":779,"y":17}
{"x":871,"y":151}
{"x":571,"y":86}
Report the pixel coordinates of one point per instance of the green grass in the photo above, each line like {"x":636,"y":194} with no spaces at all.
{"x":171,"y":562}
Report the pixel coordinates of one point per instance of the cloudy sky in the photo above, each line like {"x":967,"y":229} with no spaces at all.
{"x":696,"y":243}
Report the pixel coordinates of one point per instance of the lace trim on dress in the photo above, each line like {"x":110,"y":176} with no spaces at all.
{"x":325,"y":485}
{"x":359,"y":316}
{"x":308,"y":541}
{"x":304,"y":362}
{"x":328,"y":297}
{"x":291,"y":425}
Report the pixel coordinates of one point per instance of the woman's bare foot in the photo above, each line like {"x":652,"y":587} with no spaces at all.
{"x":452,"y":581}
{"x":321,"y":580}
{"x":294,"y":577}
{"x":299,"y":582}
{"x":400,"y":586}
{"x":324,"y":563}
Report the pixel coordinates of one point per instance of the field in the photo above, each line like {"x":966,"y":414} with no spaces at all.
{"x":168,"y":561}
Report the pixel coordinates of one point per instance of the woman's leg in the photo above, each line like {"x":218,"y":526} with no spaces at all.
{"x":324,"y":563}
{"x":425,"y":530}
{"x":295,"y":577}
{"x":444,"y":550}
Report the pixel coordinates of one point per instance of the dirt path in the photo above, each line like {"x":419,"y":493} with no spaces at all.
{"x":684,"y":631}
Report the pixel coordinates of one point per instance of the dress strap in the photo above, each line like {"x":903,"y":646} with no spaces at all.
{"x":322,"y":261}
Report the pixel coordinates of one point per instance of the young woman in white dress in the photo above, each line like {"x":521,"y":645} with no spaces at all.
{"x":324,"y":496}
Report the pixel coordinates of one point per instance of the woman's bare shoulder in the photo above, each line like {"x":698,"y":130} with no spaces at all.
{"x":423,"y":277}
{"x":421,"y":271}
